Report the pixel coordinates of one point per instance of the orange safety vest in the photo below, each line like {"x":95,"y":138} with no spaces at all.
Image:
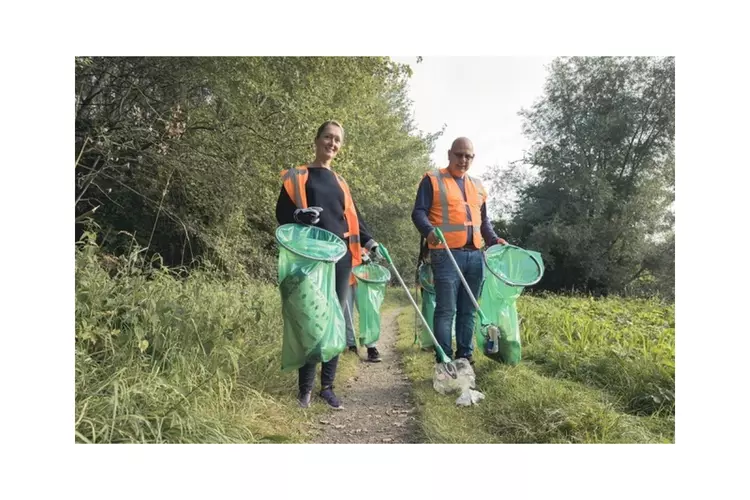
{"x":448,"y":210}
{"x":294,"y":183}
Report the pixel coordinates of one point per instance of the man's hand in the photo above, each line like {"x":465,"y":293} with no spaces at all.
{"x":309,"y":216}
{"x":432,"y":238}
{"x":500,"y":241}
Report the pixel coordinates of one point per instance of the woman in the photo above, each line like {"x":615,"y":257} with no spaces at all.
{"x":313,"y":194}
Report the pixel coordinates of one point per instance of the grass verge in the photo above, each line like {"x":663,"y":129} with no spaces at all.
{"x":533,"y":403}
{"x":162,"y":358}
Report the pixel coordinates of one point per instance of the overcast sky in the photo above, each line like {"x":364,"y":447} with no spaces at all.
{"x":476,"y":97}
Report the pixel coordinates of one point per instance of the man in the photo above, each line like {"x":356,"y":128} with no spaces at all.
{"x":453,"y":201}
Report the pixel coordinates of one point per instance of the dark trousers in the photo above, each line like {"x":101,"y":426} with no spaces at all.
{"x":328,"y":370}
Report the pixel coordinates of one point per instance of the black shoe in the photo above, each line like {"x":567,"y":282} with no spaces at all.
{"x":373,"y":356}
{"x":353,"y":349}
{"x":329,"y":397}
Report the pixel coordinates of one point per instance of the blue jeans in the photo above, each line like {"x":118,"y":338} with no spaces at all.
{"x":451,"y":298}
{"x":349,"y":318}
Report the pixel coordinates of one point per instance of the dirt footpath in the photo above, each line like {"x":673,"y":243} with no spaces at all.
{"x":377,"y":405}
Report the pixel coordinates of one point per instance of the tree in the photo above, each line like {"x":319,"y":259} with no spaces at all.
{"x":603,"y":150}
{"x":186,"y":153}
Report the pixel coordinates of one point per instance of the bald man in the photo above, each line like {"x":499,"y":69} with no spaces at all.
{"x":452,"y":200}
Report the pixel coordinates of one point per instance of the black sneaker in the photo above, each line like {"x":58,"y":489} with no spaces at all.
{"x":373,"y":356}
{"x":353,"y":349}
{"x":329,"y":397}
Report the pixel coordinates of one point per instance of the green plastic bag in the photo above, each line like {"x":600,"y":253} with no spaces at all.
{"x":313,"y":319}
{"x":372,"y":280}
{"x":428,"y":311}
{"x":427,"y":285}
{"x":508,"y":269}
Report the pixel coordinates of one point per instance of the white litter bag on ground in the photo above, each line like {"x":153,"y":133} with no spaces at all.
{"x":463,"y":384}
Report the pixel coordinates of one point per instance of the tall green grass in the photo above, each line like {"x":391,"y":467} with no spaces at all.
{"x":593,"y":371}
{"x":161,"y":358}
{"x":623,"y":346}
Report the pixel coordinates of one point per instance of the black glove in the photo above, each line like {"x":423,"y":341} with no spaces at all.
{"x":373,"y":249}
{"x":309,"y":216}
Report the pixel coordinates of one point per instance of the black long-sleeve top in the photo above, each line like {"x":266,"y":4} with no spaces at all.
{"x":323,"y":190}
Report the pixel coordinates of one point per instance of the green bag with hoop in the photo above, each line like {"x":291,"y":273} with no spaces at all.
{"x":508,"y":269}
{"x":372,"y":280}
{"x":313,"y":319}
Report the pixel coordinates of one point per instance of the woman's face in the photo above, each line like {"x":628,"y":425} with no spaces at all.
{"x":329,"y":143}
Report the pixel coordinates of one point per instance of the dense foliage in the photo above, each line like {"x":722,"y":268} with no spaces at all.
{"x":597,"y":195}
{"x":185,"y":153}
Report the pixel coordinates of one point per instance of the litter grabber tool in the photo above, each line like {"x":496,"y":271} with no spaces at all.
{"x":491,"y":333}
{"x":449,"y":367}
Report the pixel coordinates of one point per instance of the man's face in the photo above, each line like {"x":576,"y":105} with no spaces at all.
{"x":460,"y":157}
